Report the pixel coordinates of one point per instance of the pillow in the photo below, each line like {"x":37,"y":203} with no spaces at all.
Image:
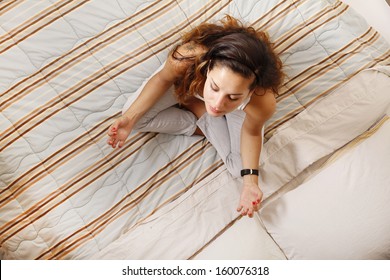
{"x":343,"y":212}
{"x":324,"y":127}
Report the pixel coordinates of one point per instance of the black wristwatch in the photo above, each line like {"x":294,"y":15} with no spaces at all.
{"x":249,"y":172}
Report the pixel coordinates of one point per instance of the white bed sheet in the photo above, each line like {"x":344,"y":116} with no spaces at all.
{"x":342,"y":212}
{"x":246,"y":239}
{"x":376,"y":13}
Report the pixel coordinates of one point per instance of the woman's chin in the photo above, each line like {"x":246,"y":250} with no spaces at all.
{"x":213,"y":114}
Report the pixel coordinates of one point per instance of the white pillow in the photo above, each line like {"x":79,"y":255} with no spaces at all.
{"x":324,"y":127}
{"x":343,"y":212}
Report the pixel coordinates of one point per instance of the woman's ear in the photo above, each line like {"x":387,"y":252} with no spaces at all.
{"x":258,"y":91}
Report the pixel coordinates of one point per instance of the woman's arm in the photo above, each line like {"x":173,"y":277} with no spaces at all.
{"x":154,"y":89}
{"x":258,"y":111}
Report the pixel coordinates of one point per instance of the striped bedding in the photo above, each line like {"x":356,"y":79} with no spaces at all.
{"x":67,"y":68}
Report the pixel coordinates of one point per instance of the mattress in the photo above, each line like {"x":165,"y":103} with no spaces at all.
{"x":67,"y":68}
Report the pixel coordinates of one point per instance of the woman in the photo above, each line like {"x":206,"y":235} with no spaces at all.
{"x":225,"y":77}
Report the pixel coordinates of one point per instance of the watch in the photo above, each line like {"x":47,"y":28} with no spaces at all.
{"x":249,"y":172}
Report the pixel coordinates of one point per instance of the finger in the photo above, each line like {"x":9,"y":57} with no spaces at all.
{"x":110,"y":132}
{"x":114,"y":143}
{"x":110,"y":141}
{"x":239,"y":208}
{"x":121,"y":143}
{"x":113,"y":129}
{"x":114,"y":126}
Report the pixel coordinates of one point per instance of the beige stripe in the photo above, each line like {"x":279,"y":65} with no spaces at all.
{"x":45,"y":205}
{"x":51,"y":163}
{"x":65,"y":250}
{"x":343,"y":59}
{"x":46,"y":163}
{"x":310,"y":71}
{"x":272,"y":127}
{"x":56,"y":104}
{"x":102,"y":225}
{"x":95,"y":168}
{"x":105,"y":39}
{"x":33,"y":20}
{"x":370,"y":64}
{"x":43,"y":172}
{"x":104,"y":75}
{"x":13,"y":40}
{"x":295,"y":32}
{"x":94,"y":44}
{"x":89,"y":236}
{"x":6,"y":6}
{"x":333,"y":61}
{"x":164,"y":174}
{"x":280,"y":50}
{"x":276,"y":14}
{"x":310,"y":74}
{"x":308,"y":26}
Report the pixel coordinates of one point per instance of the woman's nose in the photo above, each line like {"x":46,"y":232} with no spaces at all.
{"x":219,"y":102}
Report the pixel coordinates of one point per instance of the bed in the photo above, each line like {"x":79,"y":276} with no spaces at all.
{"x":68,"y":67}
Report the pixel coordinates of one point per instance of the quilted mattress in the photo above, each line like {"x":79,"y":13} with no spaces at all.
{"x":68,"y":67}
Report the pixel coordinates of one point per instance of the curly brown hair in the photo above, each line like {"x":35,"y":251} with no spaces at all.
{"x":229,"y":43}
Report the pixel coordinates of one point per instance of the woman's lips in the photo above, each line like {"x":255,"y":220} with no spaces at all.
{"x":215,"y":110}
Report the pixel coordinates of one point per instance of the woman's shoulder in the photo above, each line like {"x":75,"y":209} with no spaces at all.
{"x":263,"y":101}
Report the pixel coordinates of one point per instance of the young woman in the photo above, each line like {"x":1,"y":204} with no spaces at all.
{"x":220,"y":82}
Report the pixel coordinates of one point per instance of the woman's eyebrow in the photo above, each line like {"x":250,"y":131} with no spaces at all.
{"x":219,"y":87}
{"x":214,"y":83}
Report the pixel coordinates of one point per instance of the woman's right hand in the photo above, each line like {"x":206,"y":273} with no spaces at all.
{"x":119,"y":131}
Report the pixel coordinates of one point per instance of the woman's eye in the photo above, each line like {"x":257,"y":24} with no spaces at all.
{"x":233,"y":98}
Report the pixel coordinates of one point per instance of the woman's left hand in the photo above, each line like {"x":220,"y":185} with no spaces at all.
{"x":251,"y":196}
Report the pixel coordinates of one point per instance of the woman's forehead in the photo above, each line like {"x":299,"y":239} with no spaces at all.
{"x":229,"y":81}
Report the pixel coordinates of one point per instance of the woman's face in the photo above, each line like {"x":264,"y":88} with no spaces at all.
{"x":224,"y":90}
